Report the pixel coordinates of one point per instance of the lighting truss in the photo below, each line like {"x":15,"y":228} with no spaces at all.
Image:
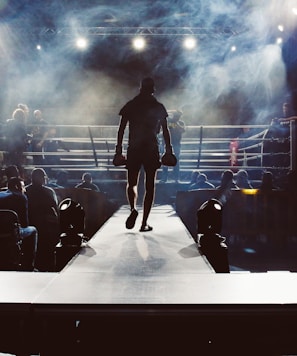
{"x":147,"y":31}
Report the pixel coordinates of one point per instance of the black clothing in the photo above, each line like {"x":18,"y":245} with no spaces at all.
{"x":39,"y":130}
{"x":201,"y":185}
{"x":42,"y":202}
{"x":43,"y":213}
{"x":16,"y":141}
{"x":145,"y":115}
{"x":86,"y":185}
{"x":17,"y":202}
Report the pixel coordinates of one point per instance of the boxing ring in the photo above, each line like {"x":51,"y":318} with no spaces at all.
{"x":212,"y":148}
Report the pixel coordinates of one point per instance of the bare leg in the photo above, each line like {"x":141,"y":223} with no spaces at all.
{"x":131,"y":192}
{"x":150,"y":177}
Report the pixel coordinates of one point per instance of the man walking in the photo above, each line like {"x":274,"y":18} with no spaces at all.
{"x":146,"y":117}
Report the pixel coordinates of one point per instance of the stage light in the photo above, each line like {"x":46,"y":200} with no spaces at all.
{"x":280,"y":28}
{"x":139,"y":43}
{"x":189,"y":43}
{"x":294,"y":10}
{"x":233,"y":49}
{"x":279,"y":40}
{"x":38,"y":47}
{"x":209,"y":217}
{"x":210,"y":242}
{"x":72,"y":222}
{"x":81,"y":43}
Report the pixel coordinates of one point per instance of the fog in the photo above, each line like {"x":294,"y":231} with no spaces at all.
{"x":212,"y":84}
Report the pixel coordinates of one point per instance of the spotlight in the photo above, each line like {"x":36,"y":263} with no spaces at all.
{"x":211,"y":243}
{"x":280,"y":28}
{"x":189,"y":43}
{"x":139,"y":43}
{"x":209,"y":217}
{"x":72,"y":222}
{"x":233,"y":49}
{"x":81,"y":43}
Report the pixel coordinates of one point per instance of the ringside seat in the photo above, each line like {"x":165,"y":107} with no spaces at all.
{"x":10,"y":242}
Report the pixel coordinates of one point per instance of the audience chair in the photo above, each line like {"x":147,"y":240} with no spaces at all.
{"x":10,"y":248}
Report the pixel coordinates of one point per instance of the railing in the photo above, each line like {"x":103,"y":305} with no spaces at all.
{"x":207,"y":148}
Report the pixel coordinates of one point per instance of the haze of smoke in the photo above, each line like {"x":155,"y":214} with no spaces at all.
{"x":202,"y":82}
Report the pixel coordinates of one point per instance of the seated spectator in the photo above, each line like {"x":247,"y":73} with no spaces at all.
{"x":202,"y":182}
{"x":43,"y":213}
{"x":267,"y":184}
{"x":225,"y":187}
{"x":10,"y":171}
{"x":87,"y":183}
{"x":227,"y":180}
{"x":195,"y":173}
{"x":61,"y":180}
{"x":14,"y":198}
{"x":242,"y":180}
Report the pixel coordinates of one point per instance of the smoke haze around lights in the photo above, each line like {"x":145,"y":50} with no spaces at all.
{"x":212,"y":84}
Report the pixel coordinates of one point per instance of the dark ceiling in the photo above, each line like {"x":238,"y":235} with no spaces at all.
{"x":163,"y":13}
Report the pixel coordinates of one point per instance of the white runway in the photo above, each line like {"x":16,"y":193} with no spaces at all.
{"x":168,"y":248}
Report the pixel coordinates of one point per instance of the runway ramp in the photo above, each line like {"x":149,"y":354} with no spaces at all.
{"x":167,"y":249}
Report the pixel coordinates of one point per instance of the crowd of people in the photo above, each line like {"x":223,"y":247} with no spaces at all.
{"x":231,"y":180}
{"x":36,"y":203}
{"x":30,"y":194}
{"x":26,"y":132}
